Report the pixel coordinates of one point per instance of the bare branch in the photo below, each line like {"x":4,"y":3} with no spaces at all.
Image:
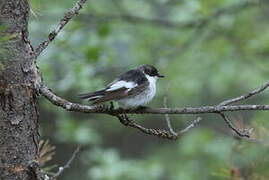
{"x":245,"y":96}
{"x":167,"y":118}
{"x":67,"y":165}
{"x":171,"y":134}
{"x":125,"y":120}
{"x":196,"y":121}
{"x":67,"y":17}
{"x":58,"y":101}
{"x":241,"y":133}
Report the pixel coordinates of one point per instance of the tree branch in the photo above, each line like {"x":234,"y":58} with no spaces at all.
{"x":171,"y":134}
{"x":67,"y":165}
{"x":125,"y":120}
{"x":69,"y":106}
{"x":167,"y":118}
{"x":241,"y":133}
{"x":245,"y":96}
{"x":67,"y":17}
{"x":196,"y":121}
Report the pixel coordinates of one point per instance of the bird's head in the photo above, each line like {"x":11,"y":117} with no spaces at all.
{"x":150,"y":70}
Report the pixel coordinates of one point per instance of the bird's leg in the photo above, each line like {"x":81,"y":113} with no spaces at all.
{"x":141,"y":107}
{"x":111,"y":107}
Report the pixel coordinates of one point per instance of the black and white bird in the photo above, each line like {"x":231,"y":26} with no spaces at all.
{"x":131,"y":89}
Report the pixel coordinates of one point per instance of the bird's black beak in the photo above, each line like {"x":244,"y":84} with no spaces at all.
{"x":160,"y":76}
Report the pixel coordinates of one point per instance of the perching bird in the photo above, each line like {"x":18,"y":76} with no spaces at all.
{"x":131,"y":89}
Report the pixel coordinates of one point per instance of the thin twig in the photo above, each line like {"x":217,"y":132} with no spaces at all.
{"x":67,"y":165}
{"x":167,"y":117}
{"x":245,"y":96}
{"x":241,"y":133}
{"x":67,"y":17}
{"x":196,"y":121}
{"x":125,"y":120}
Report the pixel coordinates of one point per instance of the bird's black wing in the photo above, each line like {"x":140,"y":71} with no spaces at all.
{"x":120,"y":93}
{"x":133,"y":75}
{"x":129,"y":83}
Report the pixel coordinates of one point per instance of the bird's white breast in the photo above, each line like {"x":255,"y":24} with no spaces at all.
{"x":142,"y":98}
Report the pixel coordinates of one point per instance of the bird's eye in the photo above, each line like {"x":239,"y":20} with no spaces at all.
{"x":153,"y":73}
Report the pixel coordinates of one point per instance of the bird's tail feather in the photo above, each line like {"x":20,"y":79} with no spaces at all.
{"x":103,"y":95}
{"x":92,"y":95}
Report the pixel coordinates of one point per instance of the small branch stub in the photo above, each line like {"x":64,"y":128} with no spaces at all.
{"x":66,"y":166}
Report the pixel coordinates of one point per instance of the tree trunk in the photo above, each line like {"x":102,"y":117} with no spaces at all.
{"x":18,"y":113}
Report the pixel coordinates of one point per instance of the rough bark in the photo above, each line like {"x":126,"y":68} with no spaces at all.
{"x":18,"y":113}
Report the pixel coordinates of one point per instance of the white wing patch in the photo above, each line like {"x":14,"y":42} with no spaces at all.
{"x":121,"y":84}
{"x":94,"y":97}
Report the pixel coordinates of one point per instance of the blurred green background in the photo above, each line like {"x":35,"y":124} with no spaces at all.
{"x":209,"y":51}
